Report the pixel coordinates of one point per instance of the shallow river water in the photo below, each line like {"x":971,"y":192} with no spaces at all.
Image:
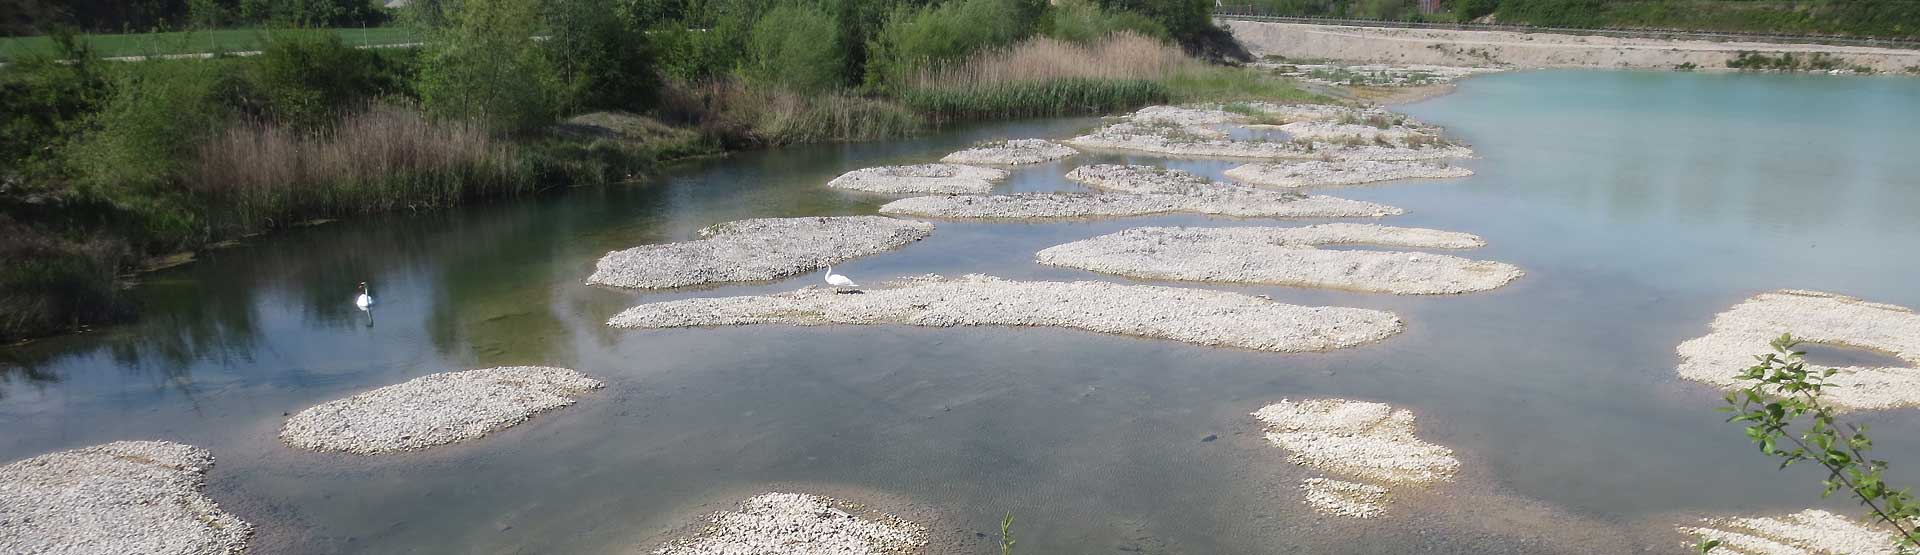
{"x":1640,"y":204}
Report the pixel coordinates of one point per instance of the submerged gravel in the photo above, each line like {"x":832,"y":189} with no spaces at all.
{"x":1193,"y":316}
{"x":1749,"y":328}
{"x":1343,"y":498}
{"x":1809,"y":532}
{"x":1370,"y":442}
{"x":1289,"y":256}
{"x":921,"y":179}
{"x":1321,"y":173}
{"x":755,"y":250}
{"x":799,"y":524}
{"x":123,"y":497}
{"x":1011,"y":153}
{"x":435,"y":409}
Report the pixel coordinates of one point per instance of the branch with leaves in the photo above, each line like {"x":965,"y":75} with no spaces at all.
{"x":1784,"y":416}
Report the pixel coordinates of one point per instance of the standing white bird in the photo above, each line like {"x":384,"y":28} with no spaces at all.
{"x":838,"y":280}
{"x":365,"y":299}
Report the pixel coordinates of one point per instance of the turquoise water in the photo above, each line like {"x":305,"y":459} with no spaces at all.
{"x":1640,"y":204}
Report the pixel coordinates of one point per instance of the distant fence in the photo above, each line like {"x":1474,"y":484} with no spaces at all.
{"x":1255,"y":13}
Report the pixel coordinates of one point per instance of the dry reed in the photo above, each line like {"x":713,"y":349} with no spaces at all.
{"x":380,"y":159}
{"x":1123,"y":56}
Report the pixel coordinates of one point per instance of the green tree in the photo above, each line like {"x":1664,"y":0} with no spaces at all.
{"x":487,"y":66}
{"x":1084,"y":22}
{"x":797,"y":45}
{"x":1786,"y":419}
{"x":915,"y":39}
{"x":602,"y":60}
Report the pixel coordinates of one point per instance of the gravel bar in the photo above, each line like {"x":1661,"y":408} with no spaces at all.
{"x":921,"y":179}
{"x":1370,"y":442}
{"x":1248,"y":203}
{"x":1193,"y":316}
{"x":1138,"y":179}
{"x":1808,"y":532}
{"x":1321,"y":173}
{"x":1750,"y":327}
{"x":755,"y":250}
{"x":1313,"y":132}
{"x":123,"y":497}
{"x":1011,"y":153}
{"x":1288,"y":256}
{"x":799,"y":524}
{"x":435,"y":409}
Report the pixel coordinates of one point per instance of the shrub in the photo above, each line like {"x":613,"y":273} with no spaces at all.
{"x":44,"y":98}
{"x":310,"y":76}
{"x":1083,"y":22}
{"x":932,"y":35}
{"x":738,"y":113}
{"x":797,"y":46}
{"x":603,"y":61}
{"x":1184,"y":19}
{"x":487,"y":67}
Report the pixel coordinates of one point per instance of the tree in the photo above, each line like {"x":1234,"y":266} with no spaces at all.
{"x":796,"y":45}
{"x":1787,"y":420}
{"x":486,"y":66}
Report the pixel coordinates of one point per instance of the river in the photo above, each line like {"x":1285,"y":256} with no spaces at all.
{"x":1639,"y":203}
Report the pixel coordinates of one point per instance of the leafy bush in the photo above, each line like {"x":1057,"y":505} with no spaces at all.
{"x":913,"y":39}
{"x":604,"y":62}
{"x":797,"y":46}
{"x":487,"y":67}
{"x":1184,"y":19}
{"x":1083,"y":22}
{"x":309,"y":77}
{"x":44,"y":99}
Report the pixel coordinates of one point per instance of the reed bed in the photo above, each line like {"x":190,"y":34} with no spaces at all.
{"x":740,"y":112}
{"x":1046,"y":77}
{"x":383,"y":158}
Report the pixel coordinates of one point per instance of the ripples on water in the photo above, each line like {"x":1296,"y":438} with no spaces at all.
{"x":1640,"y":204}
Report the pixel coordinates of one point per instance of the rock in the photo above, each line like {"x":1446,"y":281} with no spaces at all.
{"x":1750,"y":327}
{"x":124,"y":497}
{"x":1193,"y":316}
{"x":435,"y":409}
{"x":919,"y":179}
{"x":1289,"y":256}
{"x":1011,"y":153}
{"x":755,"y":250}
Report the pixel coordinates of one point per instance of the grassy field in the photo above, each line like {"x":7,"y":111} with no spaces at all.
{"x":190,"y":42}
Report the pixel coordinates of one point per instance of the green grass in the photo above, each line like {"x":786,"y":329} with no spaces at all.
{"x":1223,"y":84}
{"x":193,"y":42}
{"x":1036,"y":99}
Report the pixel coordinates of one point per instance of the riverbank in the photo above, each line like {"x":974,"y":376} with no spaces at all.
{"x":1546,"y":50}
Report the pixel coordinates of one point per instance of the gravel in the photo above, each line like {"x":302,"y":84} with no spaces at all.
{"x":1288,"y":256}
{"x":921,"y":179}
{"x":1188,"y":315}
{"x":1370,"y":442}
{"x":1748,"y":329}
{"x":123,"y":497}
{"x":1011,"y":153}
{"x":1321,"y":173}
{"x":799,"y":524}
{"x":755,"y":250}
{"x":1138,"y":179}
{"x":435,"y":409}
{"x":1808,"y":532}
{"x":1320,"y":130}
{"x":1343,"y":498}
{"x":1198,"y":142}
{"x":1238,"y":203}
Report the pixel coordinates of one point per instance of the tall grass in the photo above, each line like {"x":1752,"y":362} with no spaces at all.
{"x":741,"y":112}
{"x":1047,"y":77}
{"x":380,"y":159}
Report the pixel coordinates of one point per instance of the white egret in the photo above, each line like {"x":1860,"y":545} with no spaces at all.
{"x":365,"y":299}
{"x":838,"y":280}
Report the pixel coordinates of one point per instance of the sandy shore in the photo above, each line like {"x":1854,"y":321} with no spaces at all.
{"x":1289,"y":256}
{"x":1527,"y":50}
{"x":1188,"y":315}
{"x":921,"y":179}
{"x":1044,"y":206}
{"x":1369,"y":442}
{"x":755,"y":250}
{"x":1808,"y":532}
{"x":123,"y":497}
{"x":1319,"y":173}
{"x":1748,"y":329}
{"x":435,"y":409}
{"x":799,"y":524}
{"x":1015,"y":152}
